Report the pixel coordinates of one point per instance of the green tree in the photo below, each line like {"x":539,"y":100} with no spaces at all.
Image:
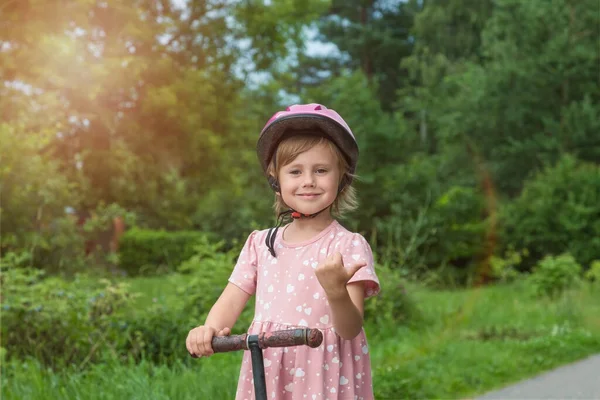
{"x":372,"y":36}
{"x":533,"y":96}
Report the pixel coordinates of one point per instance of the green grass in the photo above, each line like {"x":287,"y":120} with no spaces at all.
{"x":468,"y":342}
{"x":161,"y":289}
{"x":207,"y":380}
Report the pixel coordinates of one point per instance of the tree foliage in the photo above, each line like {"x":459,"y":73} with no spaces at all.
{"x":155,"y":108}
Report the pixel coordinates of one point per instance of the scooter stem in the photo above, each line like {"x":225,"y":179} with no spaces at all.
{"x":258,"y":367}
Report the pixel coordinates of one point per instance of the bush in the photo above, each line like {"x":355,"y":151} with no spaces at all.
{"x":144,"y":251}
{"x":459,"y":218}
{"x":60,"y":322}
{"x":558,"y":211}
{"x":157,"y":334}
{"x":506,"y":269}
{"x":449,"y":231}
{"x":393,"y":305}
{"x":593,"y":274}
{"x":209,"y":269}
{"x":554,"y":275}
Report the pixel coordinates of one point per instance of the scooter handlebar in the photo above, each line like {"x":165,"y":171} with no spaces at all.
{"x":283,"y":338}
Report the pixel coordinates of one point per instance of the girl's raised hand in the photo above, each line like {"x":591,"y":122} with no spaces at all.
{"x":333,"y":276}
{"x":199,"y":340}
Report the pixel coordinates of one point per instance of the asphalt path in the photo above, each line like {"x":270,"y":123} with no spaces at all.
{"x":579,"y":380}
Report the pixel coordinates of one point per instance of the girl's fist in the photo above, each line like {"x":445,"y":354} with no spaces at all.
{"x":199,"y":340}
{"x":333,"y":276}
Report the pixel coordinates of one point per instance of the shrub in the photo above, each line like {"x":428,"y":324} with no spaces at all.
{"x":593,"y":274}
{"x":144,"y":251}
{"x":506,"y":269}
{"x":393,"y":305}
{"x":60,"y":322}
{"x":450,"y":230}
{"x":558,"y":211}
{"x":209,"y":269}
{"x":554,"y":275}
{"x":157,"y":334}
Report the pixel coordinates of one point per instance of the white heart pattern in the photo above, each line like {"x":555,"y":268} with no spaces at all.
{"x":270,"y":289}
{"x":343,"y":380}
{"x":267,"y":362}
{"x":301,"y":277}
{"x":299,"y":308}
{"x":325,"y":319}
{"x":358,"y":376}
{"x":289,"y":387}
{"x":330,"y":348}
{"x":307,"y":311}
{"x":300,"y":372}
{"x":290,"y":288}
{"x":356,"y":257}
{"x":316,"y":295}
{"x":365,"y":349}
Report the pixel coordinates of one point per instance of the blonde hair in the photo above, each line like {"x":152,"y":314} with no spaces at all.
{"x":287,"y":151}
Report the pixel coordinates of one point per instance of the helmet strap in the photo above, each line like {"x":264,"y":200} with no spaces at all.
{"x":272,"y":233}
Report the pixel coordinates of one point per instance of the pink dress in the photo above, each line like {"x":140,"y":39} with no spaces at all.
{"x":288,"y":295}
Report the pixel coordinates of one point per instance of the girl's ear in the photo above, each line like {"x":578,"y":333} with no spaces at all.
{"x":274,"y":184}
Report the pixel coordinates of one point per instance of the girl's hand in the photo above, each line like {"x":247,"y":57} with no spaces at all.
{"x":333,"y":276}
{"x":199,"y":340}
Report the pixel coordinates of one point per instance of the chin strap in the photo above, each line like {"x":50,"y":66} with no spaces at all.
{"x":272,"y":234}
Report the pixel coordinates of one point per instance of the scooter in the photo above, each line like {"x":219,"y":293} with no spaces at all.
{"x":256,"y":343}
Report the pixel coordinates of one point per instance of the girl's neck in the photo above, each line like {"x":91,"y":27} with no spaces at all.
{"x":305,"y":228}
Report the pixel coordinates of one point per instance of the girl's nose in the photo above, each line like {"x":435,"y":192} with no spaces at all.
{"x":309,"y":180}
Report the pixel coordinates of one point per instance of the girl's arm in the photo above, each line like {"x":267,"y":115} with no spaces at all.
{"x":227,"y":309}
{"x":347,"y":309}
{"x":221,"y":318}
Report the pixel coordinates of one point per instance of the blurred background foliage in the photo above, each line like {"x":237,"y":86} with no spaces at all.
{"x":467,"y":114}
{"x":478,"y":123}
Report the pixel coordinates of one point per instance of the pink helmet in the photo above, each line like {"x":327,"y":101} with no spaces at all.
{"x":307,"y":118}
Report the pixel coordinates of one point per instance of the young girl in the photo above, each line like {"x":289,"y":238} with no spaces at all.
{"x":310,"y":273}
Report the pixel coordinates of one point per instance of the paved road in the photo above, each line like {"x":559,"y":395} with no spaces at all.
{"x":580,"y":380}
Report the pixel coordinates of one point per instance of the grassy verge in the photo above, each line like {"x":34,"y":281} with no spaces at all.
{"x":468,"y":342}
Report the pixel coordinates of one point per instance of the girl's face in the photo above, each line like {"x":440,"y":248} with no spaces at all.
{"x":310,"y":182}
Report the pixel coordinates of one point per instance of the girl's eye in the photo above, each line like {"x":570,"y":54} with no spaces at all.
{"x":294,"y":172}
{"x":321,"y":171}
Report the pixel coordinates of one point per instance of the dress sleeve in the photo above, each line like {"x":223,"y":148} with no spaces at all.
{"x":244,"y":273}
{"x":358,"y":250}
